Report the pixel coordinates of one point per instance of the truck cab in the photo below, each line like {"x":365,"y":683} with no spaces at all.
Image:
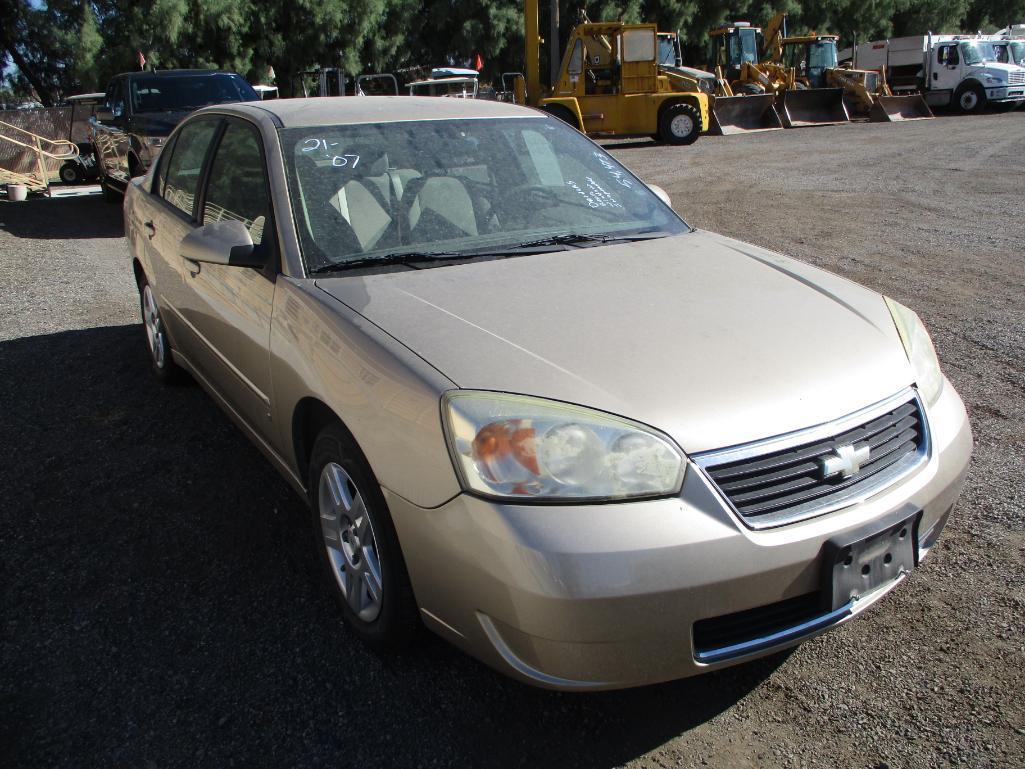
{"x":970,"y":72}
{"x":141,"y":109}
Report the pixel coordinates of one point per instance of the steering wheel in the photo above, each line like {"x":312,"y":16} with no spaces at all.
{"x":533,"y":199}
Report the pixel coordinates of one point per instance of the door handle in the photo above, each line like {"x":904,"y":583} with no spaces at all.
{"x":935,"y":76}
{"x":152,"y":230}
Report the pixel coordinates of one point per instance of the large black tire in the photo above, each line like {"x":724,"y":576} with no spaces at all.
{"x":393,"y":622}
{"x":72,"y":173}
{"x":970,"y":99}
{"x":564,"y":114}
{"x":679,"y":124}
{"x":158,"y":344}
{"x":111,"y":194}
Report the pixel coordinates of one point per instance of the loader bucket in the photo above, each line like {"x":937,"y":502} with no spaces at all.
{"x":893,"y":109}
{"x":743,"y":114}
{"x":814,"y":106}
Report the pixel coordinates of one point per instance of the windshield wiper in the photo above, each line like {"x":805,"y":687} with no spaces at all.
{"x":409,"y":258}
{"x":573,"y":238}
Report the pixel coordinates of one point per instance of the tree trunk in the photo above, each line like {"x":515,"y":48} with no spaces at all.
{"x":45,"y":94}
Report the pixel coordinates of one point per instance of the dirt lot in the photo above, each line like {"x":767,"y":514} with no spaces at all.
{"x":157,"y":607}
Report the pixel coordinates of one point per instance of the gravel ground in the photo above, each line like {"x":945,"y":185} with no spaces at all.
{"x":157,"y":608}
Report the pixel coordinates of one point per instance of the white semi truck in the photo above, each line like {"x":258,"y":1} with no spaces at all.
{"x":961,"y":71}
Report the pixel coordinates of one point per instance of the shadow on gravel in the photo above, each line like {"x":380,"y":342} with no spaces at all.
{"x":62,"y":218}
{"x":159,"y":606}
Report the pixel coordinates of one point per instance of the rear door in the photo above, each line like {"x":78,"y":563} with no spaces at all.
{"x":228,"y":308}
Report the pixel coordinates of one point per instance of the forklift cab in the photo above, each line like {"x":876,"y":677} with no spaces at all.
{"x":732,"y":47}
{"x":810,"y":58}
{"x":611,"y":59}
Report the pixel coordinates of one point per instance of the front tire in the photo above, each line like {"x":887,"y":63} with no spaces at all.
{"x":357,"y":545}
{"x":679,"y":124}
{"x":970,"y":99}
{"x":71,"y":173}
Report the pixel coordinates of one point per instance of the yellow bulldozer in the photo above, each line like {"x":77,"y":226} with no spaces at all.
{"x":611,"y":83}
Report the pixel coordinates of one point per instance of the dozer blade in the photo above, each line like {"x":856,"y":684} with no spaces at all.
{"x":814,"y":106}
{"x":743,"y":114}
{"x":892,"y":109}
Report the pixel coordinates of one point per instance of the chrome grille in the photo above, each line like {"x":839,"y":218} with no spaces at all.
{"x":782,"y":480}
{"x":1016,"y":78}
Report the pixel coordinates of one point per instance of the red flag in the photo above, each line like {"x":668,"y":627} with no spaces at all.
{"x":478,"y":62}
{"x":142,"y":60}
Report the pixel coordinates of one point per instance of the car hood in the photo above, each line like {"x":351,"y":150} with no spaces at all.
{"x":713,"y":341}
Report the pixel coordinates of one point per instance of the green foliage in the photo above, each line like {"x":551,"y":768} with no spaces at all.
{"x":59,"y":47}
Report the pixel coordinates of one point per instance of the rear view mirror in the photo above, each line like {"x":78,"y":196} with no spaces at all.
{"x":227,"y":242}
{"x":661,"y":194}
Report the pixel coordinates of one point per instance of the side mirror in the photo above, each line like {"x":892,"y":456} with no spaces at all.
{"x":227,"y":242}
{"x":661,"y":194}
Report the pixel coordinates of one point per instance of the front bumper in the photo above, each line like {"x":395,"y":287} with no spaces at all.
{"x":606,"y":596}
{"x":1006,"y":93}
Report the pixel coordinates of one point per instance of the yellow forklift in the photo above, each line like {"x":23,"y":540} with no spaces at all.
{"x":611,"y":84}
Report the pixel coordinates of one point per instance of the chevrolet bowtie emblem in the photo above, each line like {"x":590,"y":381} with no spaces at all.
{"x":844,"y":461}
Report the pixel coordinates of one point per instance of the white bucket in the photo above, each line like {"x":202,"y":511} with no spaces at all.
{"x":17,"y":192}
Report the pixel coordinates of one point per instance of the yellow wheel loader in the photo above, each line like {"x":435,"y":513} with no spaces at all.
{"x":612,"y":85}
{"x":865,"y":92}
{"x":750,"y":63}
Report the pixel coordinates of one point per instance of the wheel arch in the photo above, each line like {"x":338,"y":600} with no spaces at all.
{"x":140,"y":273}
{"x":568,"y":103}
{"x":309,"y":417}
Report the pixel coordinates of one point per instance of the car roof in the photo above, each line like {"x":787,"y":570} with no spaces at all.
{"x":339,"y":110}
{"x":175,"y":72}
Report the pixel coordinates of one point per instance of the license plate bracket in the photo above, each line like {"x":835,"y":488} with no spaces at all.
{"x":857,"y":564}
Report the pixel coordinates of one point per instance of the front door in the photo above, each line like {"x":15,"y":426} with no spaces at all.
{"x":946,"y":68}
{"x":171,"y":216}
{"x":228,"y":308}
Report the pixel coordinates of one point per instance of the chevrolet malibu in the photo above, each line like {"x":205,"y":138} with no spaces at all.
{"x":529,"y":406}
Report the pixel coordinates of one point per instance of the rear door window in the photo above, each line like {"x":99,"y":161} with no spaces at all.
{"x":186,"y":164}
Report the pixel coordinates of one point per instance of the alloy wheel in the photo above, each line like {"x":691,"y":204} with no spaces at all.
{"x":348,"y":536}
{"x":155,"y":336}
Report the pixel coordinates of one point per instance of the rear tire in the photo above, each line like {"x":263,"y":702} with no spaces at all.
{"x":71,"y":173}
{"x":157,"y":343}
{"x":679,"y":124}
{"x":564,"y":114}
{"x":970,"y":99}
{"x":110,"y":194}
{"x":357,"y":545}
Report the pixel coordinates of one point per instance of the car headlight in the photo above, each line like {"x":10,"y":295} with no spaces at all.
{"x":523,"y":448}
{"x":919,"y":348}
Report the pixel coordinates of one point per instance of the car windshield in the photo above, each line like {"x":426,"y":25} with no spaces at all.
{"x":374,"y":191}
{"x":187,"y":92}
{"x":1018,"y":51}
{"x":977,"y":52}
